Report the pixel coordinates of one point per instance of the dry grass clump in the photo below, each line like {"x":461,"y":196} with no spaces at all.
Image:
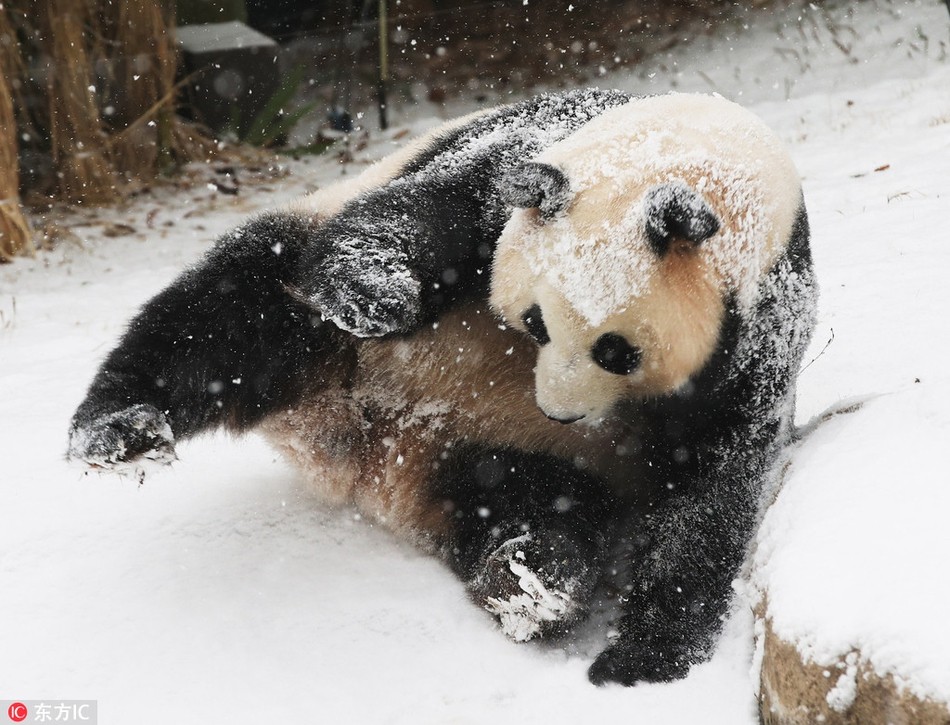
{"x":94,"y":95}
{"x":15,"y":233}
{"x":77,"y":135}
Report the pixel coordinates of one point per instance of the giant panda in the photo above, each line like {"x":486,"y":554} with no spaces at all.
{"x":417,"y":408}
{"x":657,"y":258}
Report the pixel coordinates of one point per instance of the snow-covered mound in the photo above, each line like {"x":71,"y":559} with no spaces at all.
{"x":220,"y":590}
{"x":851,"y":560}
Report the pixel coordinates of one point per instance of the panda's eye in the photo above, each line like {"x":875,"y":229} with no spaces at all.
{"x":615,"y":355}
{"x":534,"y":324}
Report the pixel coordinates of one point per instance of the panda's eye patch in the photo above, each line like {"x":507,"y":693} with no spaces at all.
{"x":534,"y":324}
{"x":615,"y":355}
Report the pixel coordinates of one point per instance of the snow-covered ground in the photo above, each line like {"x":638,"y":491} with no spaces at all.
{"x":221,"y":590}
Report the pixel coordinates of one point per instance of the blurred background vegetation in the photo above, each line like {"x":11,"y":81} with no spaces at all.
{"x":98,"y":95}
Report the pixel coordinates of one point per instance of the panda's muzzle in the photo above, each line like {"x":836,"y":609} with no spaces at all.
{"x":565,"y":421}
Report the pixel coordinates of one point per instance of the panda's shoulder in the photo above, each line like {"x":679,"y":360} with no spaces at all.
{"x":554,"y":115}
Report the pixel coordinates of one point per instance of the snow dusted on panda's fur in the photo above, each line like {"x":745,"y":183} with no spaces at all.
{"x":140,"y":421}
{"x":676,"y":208}
{"x":596,"y":276}
{"x":223,"y":581}
{"x":536,"y":185}
{"x":374,"y":292}
{"x":376,"y":273}
{"x":522,"y":615}
{"x":597,"y":255}
{"x":522,"y":135}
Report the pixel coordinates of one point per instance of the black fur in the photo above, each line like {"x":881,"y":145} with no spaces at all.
{"x":424,"y":241}
{"x":534,"y":323}
{"x":224,"y":344}
{"x":236,"y":338}
{"x":675,"y":211}
{"x":536,"y":186}
{"x":254,"y":309}
{"x":712,"y":447}
{"x":559,"y":515}
{"x":615,"y":355}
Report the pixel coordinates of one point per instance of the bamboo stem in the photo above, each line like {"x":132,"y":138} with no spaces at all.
{"x":384,"y":66}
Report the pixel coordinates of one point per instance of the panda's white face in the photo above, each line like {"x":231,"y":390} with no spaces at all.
{"x":580,"y":374}
{"x":653,"y":345}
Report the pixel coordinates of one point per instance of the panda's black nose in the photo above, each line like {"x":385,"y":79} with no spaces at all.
{"x":565,"y":421}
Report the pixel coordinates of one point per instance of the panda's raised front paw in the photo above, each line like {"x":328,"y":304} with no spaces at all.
{"x":532,"y":589}
{"x":134,"y":435}
{"x":370,"y":292}
{"x":635,"y":659}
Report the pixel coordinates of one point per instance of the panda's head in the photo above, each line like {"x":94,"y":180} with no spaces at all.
{"x":625,"y":247}
{"x":624,"y":310}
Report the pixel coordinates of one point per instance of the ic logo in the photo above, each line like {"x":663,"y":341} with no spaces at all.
{"x":17,"y":712}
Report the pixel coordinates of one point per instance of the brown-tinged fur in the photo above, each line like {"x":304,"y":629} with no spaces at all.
{"x":377,"y":436}
{"x":795,"y":692}
{"x":375,"y":444}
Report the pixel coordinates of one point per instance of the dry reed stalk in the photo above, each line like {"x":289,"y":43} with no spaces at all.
{"x":153,"y":138}
{"x":16,"y":237}
{"x":180,"y":141}
{"x":76,"y":131}
{"x":15,"y":234}
{"x":140,"y":34}
{"x":191,"y":143}
{"x":90,"y":86}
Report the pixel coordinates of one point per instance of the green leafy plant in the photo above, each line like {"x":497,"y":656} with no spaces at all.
{"x":273,"y":123}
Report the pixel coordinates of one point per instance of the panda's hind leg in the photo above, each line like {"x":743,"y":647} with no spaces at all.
{"x":528,"y":535}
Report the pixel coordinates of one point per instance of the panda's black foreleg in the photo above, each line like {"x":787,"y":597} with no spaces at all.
{"x":403,"y":254}
{"x":409,"y":250}
{"x":690,"y":548}
{"x":529,"y":533}
{"x":224,"y":344}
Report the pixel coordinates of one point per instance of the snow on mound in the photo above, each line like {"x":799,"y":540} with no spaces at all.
{"x":852,"y":557}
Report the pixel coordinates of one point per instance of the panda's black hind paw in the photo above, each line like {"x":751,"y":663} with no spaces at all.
{"x":134,"y":435}
{"x":369,"y":293}
{"x":536,"y":584}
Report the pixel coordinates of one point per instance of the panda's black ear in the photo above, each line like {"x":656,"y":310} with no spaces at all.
{"x":675,"y":211}
{"x":536,"y":186}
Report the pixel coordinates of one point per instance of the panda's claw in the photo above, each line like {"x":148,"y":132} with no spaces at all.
{"x":532,"y":594}
{"x":369,"y":295}
{"x":362,"y":316}
{"x":133,"y":436}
